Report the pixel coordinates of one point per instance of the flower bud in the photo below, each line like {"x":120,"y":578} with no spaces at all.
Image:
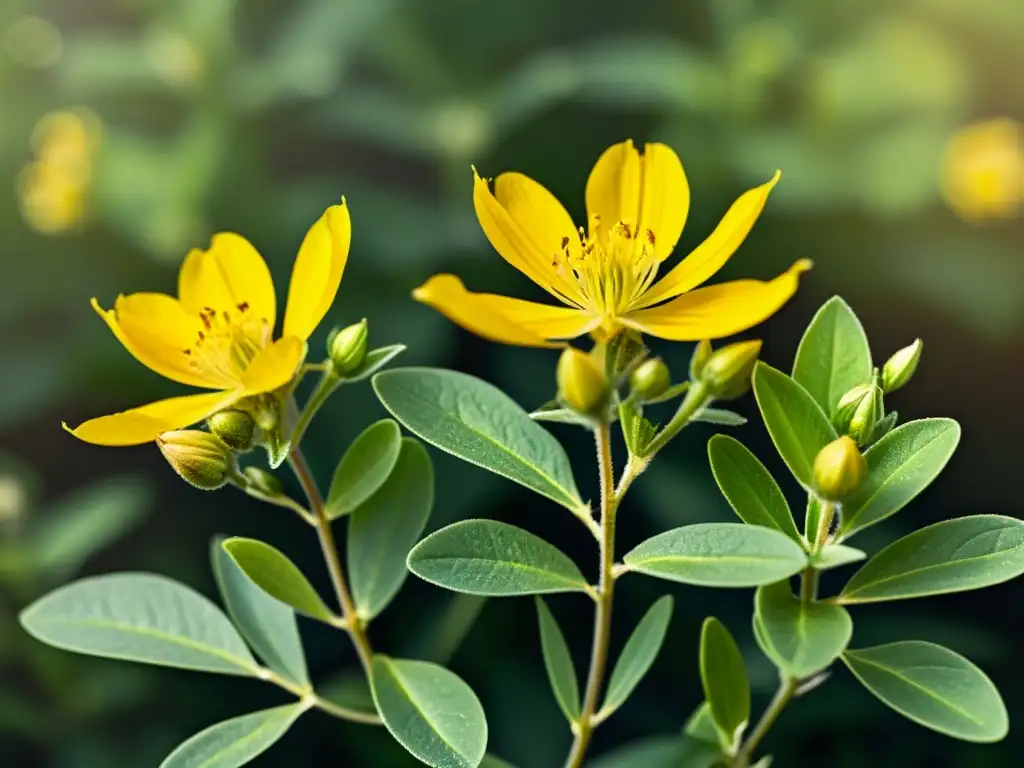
{"x":347,"y":347}
{"x":839,"y":469}
{"x":869,"y":411}
{"x":848,"y":405}
{"x":200,"y":458}
{"x":651,"y":379}
{"x":263,"y":482}
{"x":899,"y":368}
{"x":581,"y":383}
{"x":727,"y":371}
{"x":234,"y":428}
{"x":699,"y":359}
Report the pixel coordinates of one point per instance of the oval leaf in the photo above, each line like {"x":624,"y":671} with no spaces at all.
{"x":749,"y":487}
{"x":796,"y":423}
{"x":364,"y":467}
{"x":800,"y":638}
{"x":235,"y":742}
{"x":384,"y":528}
{"x":951,"y":556}
{"x":479,"y":423}
{"x":719,"y":555}
{"x":485,"y":557}
{"x":934,"y":687}
{"x":833,"y":356}
{"x":375,"y":360}
{"x":900,"y":466}
{"x":267,"y":624}
{"x":638,"y":654}
{"x":278,"y":576}
{"x":724,"y":677}
{"x":430,"y":712}
{"x":558,"y":662}
{"x":140,"y":617}
{"x":834,"y":556}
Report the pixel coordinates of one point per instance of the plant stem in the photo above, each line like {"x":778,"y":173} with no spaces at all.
{"x":784,"y":694}
{"x":603,"y":610}
{"x":327,"y":384}
{"x":697,"y":399}
{"x":308,"y":694}
{"x":828,"y":511}
{"x":355,"y":626}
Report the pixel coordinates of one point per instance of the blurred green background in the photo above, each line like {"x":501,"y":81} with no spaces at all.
{"x":131,"y":130}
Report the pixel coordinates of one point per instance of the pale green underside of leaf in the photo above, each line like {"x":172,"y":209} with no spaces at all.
{"x":235,"y":742}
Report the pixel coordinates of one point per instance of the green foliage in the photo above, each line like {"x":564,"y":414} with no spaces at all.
{"x":951,"y":556}
{"x":237,"y":741}
{"x":900,"y":466}
{"x":797,"y":424}
{"x":278,"y":576}
{"x":833,"y":356}
{"x":660,"y":752}
{"x":385,"y":527}
{"x":479,"y":423}
{"x":639,"y":654}
{"x":724,"y":677}
{"x":374,"y":362}
{"x":267,"y":624}
{"x":430,"y":711}
{"x":934,"y":687}
{"x":485,"y":557}
{"x":799,"y":637}
{"x":140,"y":617}
{"x":718,"y":555}
{"x":835,"y":556}
{"x":364,"y":467}
{"x":750,"y":489}
{"x":558,"y":663}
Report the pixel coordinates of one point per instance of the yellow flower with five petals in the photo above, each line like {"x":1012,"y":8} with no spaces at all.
{"x":218,"y":334}
{"x":605,"y":276}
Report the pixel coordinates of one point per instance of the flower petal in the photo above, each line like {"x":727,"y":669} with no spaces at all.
{"x":143,"y":424}
{"x":274,"y":366}
{"x":317,"y":273}
{"x":502,"y":319}
{"x":156,"y":331}
{"x":648,"y":190}
{"x":530,"y":229}
{"x":711,"y":255}
{"x":228,"y":275}
{"x":718,"y":310}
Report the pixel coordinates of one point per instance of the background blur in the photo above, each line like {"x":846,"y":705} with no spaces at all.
{"x":131,"y":130}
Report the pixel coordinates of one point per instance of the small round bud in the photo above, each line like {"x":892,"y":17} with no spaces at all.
{"x":200,"y":458}
{"x":869,"y":411}
{"x":234,"y":428}
{"x":848,"y":405}
{"x":263,"y":482}
{"x":899,"y":368}
{"x":727,"y":372}
{"x":651,"y":379}
{"x":581,"y":382}
{"x":699,"y":359}
{"x":347,"y":347}
{"x":839,"y":469}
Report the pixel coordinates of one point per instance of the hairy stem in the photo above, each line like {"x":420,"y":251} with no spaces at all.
{"x":315,"y":700}
{"x":603,"y":611}
{"x":784,"y":694}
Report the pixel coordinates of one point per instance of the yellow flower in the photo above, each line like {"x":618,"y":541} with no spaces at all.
{"x":637,"y":205}
{"x":983,"y":170}
{"x":218,"y":333}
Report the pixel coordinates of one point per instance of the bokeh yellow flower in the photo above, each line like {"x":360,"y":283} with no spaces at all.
{"x":605,"y":276}
{"x":983,"y":170}
{"x":218,"y":333}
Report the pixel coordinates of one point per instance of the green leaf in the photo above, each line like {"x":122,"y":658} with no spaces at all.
{"x":479,"y":423}
{"x":900,"y":466}
{"x":749,"y":487}
{"x":721,"y":417}
{"x":719,"y":555}
{"x":724,"y":677}
{"x":951,"y":556}
{"x":638,"y":654}
{"x":364,"y":467}
{"x":559,"y":664}
{"x":278,"y":576}
{"x":430,"y":712}
{"x":934,"y":687}
{"x":490,"y":761}
{"x":796,"y":423}
{"x":700,"y":725}
{"x":485,"y":557}
{"x":660,"y":752}
{"x":800,"y":638}
{"x":375,"y":360}
{"x":267,"y":624}
{"x":555,"y":413}
{"x":833,"y":356}
{"x":834,"y":556}
{"x":140,"y":617}
{"x":386,"y":526}
{"x":235,"y":742}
